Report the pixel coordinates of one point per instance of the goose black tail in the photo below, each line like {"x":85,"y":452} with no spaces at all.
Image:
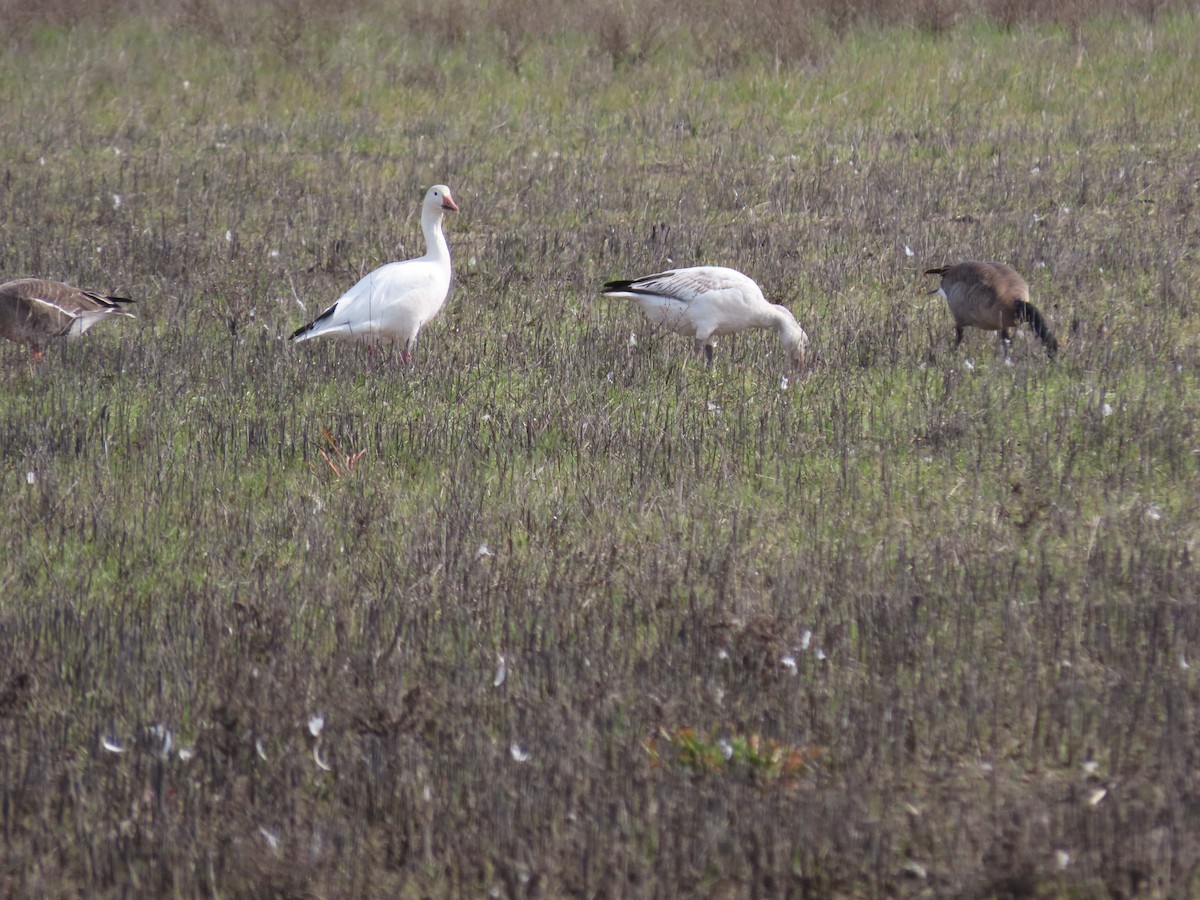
{"x":304,"y":329}
{"x":1027,"y":312}
{"x":107,"y":300}
{"x":617,"y":287}
{"x":941,"y":271}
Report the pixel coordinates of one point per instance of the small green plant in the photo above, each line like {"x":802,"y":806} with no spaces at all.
{"x":764,"y":760}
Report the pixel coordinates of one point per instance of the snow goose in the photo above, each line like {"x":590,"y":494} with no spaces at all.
{"x":35,"y":310}
{"x":991,"y":296}
{"x":705,"y":301}
{"x":395,"y":300}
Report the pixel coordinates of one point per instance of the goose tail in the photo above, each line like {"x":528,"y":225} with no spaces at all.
{"x":620,"y":286}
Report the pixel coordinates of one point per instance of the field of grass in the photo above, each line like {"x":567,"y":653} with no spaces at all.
{"x":587,"y":618}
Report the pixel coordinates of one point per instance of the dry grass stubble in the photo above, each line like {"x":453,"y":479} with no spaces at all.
{"x":939,"y":616}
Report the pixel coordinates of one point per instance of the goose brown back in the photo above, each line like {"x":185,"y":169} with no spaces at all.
{"x":991,"y":296}
{"x":34,"y":311}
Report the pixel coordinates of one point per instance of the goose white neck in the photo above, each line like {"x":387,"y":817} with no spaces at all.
{"x":791,"y":335}
{"x":436,"y":247}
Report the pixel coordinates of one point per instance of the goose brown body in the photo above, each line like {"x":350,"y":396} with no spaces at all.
{"x":990,"y":296}
{"x":35,"y":311}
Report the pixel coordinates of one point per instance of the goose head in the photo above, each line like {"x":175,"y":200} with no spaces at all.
{"x":438,"y":199}
{"x":793,"y":338}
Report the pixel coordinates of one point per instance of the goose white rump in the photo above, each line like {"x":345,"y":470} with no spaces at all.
{"x":393,"y":302}
{"x":703,"y":302}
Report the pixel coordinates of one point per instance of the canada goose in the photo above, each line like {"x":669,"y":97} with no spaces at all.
{"x":705,"y":301}
{"x":394,"y":301}
{"x":991,"y":296}
{"x":33,"y":311}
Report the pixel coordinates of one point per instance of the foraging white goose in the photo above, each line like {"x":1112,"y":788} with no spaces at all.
{"x":394,"y":301}
{"x":33,"y":311}
{"x":991,"y":296}
{"x":706,"y":301}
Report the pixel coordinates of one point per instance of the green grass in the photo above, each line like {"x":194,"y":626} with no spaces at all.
{"x":962,"y":592}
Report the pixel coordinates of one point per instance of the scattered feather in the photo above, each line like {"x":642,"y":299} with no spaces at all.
{"x":788,"y":662}
{"x":501,"y":671}
{"x":112,"y":745}
{"x":315,"y":725}
{"x":519,"y":753}
{"x":1096,"y":796}
{"x":317,"y":758}
{"x":161,"y":735}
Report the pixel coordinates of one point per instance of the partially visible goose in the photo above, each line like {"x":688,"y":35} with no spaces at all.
{"x":705,"y":301}
{"x":991,"y":296}
{"x":34,"y":311}
{"x":395,"y":300}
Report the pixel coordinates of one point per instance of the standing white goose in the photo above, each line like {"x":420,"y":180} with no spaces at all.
{"x":705,"y":301}
{"x":394,"y":301}
{"x":33,"y":311}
